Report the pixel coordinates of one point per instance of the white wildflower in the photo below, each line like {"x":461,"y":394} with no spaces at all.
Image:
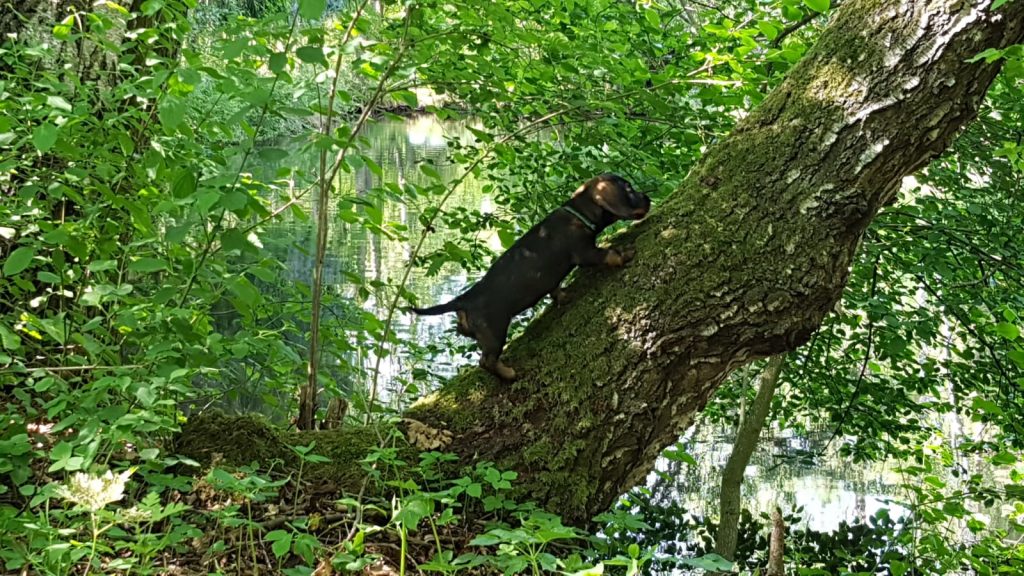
{"x":95,"y":492}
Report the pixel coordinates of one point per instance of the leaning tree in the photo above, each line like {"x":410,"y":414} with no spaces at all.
{"x":743,"y":261}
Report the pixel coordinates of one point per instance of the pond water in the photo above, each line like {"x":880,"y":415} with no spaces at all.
{"x":830,"y":491}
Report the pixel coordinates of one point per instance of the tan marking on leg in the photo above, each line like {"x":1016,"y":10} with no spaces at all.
{"x":614,"y":259}
{"x":462,"y":326}
{"x":498,"y":368}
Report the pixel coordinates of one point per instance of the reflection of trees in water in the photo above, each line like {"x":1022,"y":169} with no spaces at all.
{"x":779,"y":472}
{"x":354,"y":255}
{"x":843,"y":523}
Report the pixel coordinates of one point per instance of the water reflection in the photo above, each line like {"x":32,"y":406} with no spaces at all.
{"x":829,"y":489}
{"x":355,"y":255}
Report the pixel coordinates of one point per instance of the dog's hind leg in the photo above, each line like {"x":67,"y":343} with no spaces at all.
{"x":491,"y":339}
{"x":463,"y":325}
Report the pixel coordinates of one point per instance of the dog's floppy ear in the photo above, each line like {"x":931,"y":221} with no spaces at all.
{"x":611,"y":195}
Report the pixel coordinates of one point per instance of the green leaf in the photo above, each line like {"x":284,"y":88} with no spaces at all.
{"x":101,"y":265}
{"x":59,"y":103}
{"x":678,"y":455}
{"x":278,"y":60}
{"x":989,"y":55}
{"x":769,"y":30}
{"x":146,"y":395}
{"x":311,"y":54}
{"x":146,"y":265}
{"x":55,"y":328}
{"x":282,"y":546}
{"x":235,"y":239}
{"x":987,"y":406}
{"x":489,"y":539}
{"x":1007,"y":330}
{"x":430,"y":171}
{"x":61,"y":451}
{"x":652,"y":18}
{"x":44,"y":136}
{"x":272,"y":155}
{"x":791,"y":12}
{"x":312,"y":9}
{"x":48,"y":277}
{"x":710,"y":562}
{"x":206,"y":200}
{"x":1004,"y":459}
{"x":820,"y":6}
{"x":1017,"y":356}
{"x":150,"y":7}
{"x":407,"y":97}
{"x":998,"y":3}
{"x":184,"y":185}
{"x":373,"y":166}
{"x":19,"y":260}
{"x":171,"y":112}
{"x":10,"y":340}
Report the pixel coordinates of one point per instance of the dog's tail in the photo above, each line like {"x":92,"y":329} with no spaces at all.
{"x":451,"y":306}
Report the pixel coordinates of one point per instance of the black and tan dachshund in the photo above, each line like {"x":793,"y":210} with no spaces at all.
{"x":538,"y":262}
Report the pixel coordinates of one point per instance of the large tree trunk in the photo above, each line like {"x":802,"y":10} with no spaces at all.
{"x":742,"y":262}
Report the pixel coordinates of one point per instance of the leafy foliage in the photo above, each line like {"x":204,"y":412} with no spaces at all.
{"x":142,"y":282}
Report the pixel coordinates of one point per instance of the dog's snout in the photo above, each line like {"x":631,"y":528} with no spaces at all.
{"x":643,"y":206}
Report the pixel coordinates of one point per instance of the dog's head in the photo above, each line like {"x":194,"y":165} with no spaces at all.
{"x":615,"y":195}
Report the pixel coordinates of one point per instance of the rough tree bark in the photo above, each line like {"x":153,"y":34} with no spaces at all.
{"x":729,"y":500}
{"x":742,"y":262}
